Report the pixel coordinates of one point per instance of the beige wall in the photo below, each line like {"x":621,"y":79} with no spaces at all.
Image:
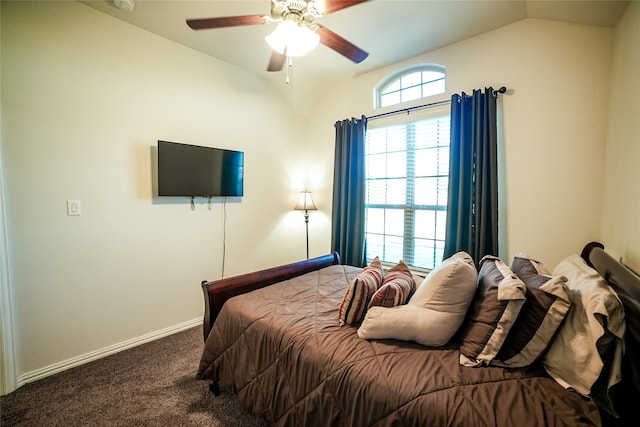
{"x":84,"y":99}
{"x":621,"y":203}
{"x":555,"y":123}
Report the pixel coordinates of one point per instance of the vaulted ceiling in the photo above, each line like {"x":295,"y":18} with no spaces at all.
{"x":389,"y":30}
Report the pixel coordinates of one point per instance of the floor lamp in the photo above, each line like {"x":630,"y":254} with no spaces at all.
{"x":305,"y":203}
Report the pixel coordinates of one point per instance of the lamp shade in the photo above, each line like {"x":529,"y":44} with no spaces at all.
{"x":293,"y":39}
{"x":305,"y":203}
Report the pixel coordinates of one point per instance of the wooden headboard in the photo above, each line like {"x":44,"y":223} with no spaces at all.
{"x":627,"y":285}
{"x":216,"y":293}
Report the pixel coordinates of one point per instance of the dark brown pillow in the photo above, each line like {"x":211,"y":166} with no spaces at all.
{"x":541,"y":315}
{"x":494,"y":310}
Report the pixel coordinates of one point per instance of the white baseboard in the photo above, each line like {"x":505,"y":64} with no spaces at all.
{"x":103,"y":352}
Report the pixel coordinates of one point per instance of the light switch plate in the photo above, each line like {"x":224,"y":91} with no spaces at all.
{"x":74,"y":208}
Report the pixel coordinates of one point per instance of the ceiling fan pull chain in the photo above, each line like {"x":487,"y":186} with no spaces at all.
{"x":289,"y":65}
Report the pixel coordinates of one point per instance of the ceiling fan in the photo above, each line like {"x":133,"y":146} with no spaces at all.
{"x":297,"y":16}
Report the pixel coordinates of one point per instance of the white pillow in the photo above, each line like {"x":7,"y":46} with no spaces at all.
{"x":575,"y":357}
{"x":435,"y":311}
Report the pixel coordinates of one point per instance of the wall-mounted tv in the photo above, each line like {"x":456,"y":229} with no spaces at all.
{"x":196,"y":171}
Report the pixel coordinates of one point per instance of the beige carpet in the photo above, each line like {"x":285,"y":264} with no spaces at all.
{"x":150,"y":385}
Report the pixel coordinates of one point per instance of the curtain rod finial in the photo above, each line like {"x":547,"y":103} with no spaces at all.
{"x":497,"y":91}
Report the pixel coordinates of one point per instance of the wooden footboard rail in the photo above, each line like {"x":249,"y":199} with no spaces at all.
{"x":216,"y":293}
{"x":626,"y":283}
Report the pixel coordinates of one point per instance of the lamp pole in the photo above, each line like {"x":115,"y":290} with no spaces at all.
{"x":306,"y":224}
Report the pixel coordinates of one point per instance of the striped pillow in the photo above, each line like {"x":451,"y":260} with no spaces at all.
{"x":547,"y":303}
{"x":361,"y":289}
{"x":397,"y":287}
{"x":495,"y":308}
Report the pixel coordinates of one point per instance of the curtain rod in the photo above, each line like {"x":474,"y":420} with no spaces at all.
{"x":432,"y":104}
{"x":408,"y":110}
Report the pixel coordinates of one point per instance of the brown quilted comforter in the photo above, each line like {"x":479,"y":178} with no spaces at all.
{"x":280,"y":348}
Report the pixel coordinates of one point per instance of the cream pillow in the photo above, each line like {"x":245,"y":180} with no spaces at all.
{"x":435,"y":311}
{"x":593,"y":331}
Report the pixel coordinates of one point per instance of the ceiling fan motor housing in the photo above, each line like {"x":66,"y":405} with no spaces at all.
{"x":301,"y":11}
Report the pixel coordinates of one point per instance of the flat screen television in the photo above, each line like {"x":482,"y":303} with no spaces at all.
{"x":196,"y":171}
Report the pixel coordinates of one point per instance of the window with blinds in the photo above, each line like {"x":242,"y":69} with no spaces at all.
{"x":407,"y":167}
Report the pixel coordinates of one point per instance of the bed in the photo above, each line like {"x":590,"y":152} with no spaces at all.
{"x":273,"y":338}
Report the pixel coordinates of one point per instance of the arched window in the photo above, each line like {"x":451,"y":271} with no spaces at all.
{"x":407,"y":170}
{"x":410,"y":84}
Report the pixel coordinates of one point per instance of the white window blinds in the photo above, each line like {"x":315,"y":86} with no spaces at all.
{"x":406,"y":191}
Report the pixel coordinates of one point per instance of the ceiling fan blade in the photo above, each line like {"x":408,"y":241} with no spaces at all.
{"x":334,"y":5}
{"x":277,"y":60}
{"x":228,"y":21}
{"x":341,"y":45}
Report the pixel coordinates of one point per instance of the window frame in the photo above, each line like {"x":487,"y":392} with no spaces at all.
{"x":396,"y":77}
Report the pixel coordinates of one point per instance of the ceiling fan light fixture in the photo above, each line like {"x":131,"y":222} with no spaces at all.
{"x":292,"y":38}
